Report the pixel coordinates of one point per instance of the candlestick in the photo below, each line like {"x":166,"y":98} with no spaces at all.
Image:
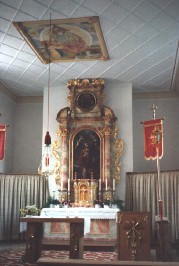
{"x":106,"y":184}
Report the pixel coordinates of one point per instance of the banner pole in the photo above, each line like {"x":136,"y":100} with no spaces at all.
{"x":159,"y":187}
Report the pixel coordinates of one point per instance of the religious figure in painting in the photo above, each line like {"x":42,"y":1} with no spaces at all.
{"x":86,"y":155}
{"x":86,"y":161}
{"x":63,"y":41}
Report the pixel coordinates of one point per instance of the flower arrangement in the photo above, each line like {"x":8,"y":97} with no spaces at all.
{"x":119,"y":203}
{"x":51,"y":201}
{"x":30,"y":210}
{"x":98,"y":202}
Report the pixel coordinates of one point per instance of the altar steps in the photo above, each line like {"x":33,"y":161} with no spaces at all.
{"x":89,"y":244}
{"x":83,"y":262}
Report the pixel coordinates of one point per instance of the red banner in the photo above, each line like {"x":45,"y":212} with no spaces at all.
{"x":153,"y":139}
{"x":2,"y":140}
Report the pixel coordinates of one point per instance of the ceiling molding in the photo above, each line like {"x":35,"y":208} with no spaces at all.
{"x":4,"y":89}
{"x":155,"y":95}
{"x":176,"y":82}
{"x":30,"y":99}
{"x":19,"y":99}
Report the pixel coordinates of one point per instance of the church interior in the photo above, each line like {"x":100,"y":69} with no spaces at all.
{"x":89,"y":147}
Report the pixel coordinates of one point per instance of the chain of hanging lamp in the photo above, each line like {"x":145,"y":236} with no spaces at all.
{"x":45,"y":165}
{"x":174,"y":68}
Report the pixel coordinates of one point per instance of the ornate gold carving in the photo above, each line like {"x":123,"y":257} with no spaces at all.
{"x":85,"y":83}
{"x":74,"y":240}
{"x":63,"y":114}
{"x":120,"y":217}
{"x":107,"y":131}
{"x":134,"y":235}
{"x":30,"y":240}
{"x":108,"y":112}
{"x":101,"y":119}
{"x":119,"y":144}
{"x":70,"y":99}
{"x":56,"y":145}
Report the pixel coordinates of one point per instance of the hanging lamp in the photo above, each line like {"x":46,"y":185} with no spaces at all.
{"x":46,"y":168}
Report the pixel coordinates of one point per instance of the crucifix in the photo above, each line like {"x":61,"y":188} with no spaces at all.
{"x":154,"y":108}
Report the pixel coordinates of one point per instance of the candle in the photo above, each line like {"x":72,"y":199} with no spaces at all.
{"x":106,"y":184}
{"x":113,"y":184}
{"x":99,"y":184}
{"x":68,"y":184}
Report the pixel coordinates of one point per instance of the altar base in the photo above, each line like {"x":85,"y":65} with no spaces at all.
{"x":100,"y":228}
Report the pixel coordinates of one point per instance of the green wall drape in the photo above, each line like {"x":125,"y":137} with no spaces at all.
{"x":142,"y":195}
{"x":17,"y":191}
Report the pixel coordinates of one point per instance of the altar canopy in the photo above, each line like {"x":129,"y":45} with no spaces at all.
{"x":2,"y":140}
{"x":153,"y":139}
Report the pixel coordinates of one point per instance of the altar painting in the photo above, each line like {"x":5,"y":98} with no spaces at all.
{"x":65,"y":39}
{"x":99,"y":227}
{"x":60,"y":228}
{"x":86,"y":155}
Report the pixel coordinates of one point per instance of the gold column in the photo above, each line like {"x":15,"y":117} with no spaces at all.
{"x":64,"y":160}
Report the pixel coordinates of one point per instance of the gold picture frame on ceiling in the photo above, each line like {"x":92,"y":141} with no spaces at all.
{"x":73,"y":39}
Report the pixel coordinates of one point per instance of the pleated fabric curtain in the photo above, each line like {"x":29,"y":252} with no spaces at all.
{"x":17,"y":191}
{"x":142,"y":195}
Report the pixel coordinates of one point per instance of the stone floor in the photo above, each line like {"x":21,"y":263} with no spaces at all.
{"x":5,"y":245}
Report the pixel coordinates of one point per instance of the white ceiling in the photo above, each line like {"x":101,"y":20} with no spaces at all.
{"x":141,"y":37}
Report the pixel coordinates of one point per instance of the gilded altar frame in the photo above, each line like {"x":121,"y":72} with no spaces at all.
{"x":81,"y":125}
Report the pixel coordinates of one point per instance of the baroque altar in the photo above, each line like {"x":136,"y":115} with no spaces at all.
{"x":87,"y":151}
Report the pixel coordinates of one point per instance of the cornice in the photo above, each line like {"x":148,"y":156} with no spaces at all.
{"x":6,"y":91}
{"x":19,"y":99}
{"x":155,"y":95}
{"x":30,"y":99}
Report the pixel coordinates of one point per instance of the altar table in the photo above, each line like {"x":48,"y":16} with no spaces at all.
{"x":89,"y":215}
{"x":34,"y":236}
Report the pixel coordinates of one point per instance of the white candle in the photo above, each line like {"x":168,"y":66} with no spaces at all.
{"x":106,"y":184}
{"x":68,"y":184}
{"x":99,"y":184}
{"x":113,"y":184}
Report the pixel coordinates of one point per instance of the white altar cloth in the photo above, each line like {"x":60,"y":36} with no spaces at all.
{"x":81,"y":212}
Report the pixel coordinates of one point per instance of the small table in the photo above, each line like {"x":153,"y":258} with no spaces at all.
{"x":34,"y":236}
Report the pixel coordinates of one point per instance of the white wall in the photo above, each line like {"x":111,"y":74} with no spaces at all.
{"x":7,"y":109}
{"x":119,"y":98}
{"x":27,"y":138}
{"x":169,"y":109}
